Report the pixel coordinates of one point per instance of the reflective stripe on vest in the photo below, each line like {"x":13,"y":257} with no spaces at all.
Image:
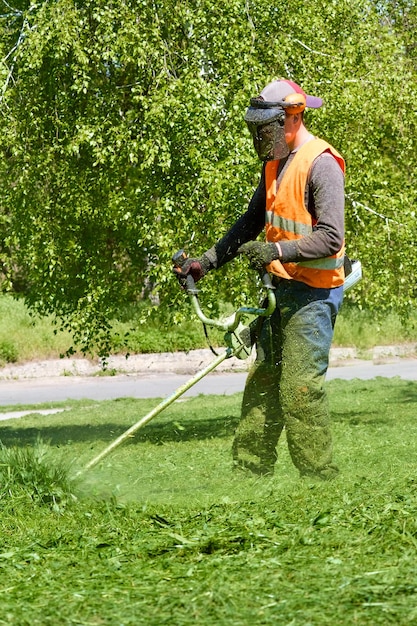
{"x":327,"y":263}
{"x":288,"y":225}
{"x":287,"y":217}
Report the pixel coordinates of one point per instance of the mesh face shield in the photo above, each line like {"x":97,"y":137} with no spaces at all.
{"x":265,"y":121}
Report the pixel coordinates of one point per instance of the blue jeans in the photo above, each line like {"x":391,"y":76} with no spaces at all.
{"x":285,"y":386}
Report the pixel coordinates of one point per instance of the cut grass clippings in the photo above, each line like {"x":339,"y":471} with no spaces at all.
{"x":164,"y":532}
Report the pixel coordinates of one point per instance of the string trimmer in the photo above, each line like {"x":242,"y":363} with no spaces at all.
{"x":238,"y":340}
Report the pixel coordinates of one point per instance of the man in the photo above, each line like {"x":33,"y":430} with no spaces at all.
{"x":300,"y":203}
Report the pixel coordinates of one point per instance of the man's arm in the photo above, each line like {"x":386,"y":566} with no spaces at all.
{"x":326,"y":202}
{"x":247,"y":228}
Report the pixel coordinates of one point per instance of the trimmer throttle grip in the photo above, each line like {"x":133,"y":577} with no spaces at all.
{"x":266,"y":280}
{"x":190,"y":285}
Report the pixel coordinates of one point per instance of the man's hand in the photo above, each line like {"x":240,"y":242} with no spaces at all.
{"x":259,"y":253}
{"x":197,"y":268}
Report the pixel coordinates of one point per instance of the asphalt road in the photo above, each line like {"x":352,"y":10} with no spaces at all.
{"x":60,"y":388}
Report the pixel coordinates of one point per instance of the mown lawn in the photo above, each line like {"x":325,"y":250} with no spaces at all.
{"x":164,"y":532}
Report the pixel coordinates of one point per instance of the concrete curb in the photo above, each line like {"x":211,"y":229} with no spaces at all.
{"x":185,"y":363}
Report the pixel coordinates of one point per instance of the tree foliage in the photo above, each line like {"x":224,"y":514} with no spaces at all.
{"x":124,"y":140}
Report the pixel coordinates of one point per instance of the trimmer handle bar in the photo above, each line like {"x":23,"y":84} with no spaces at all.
{"x":232,"y":323}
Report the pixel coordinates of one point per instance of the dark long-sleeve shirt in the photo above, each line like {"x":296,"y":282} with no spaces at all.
{"x":324,"y":198}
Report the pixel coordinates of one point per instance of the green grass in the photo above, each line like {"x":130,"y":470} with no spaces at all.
{"x":164,"y":532}
{"x":365,"y":329}
{"x":24,"y":337}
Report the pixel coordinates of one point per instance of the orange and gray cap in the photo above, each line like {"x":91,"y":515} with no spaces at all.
{"x":276,"y":99}
{"x":278,"y":90}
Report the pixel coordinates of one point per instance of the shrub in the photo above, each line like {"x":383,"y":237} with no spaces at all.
{"x":8,"y":351}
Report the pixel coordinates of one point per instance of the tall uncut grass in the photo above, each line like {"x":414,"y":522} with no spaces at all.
{"x":25,"y":337}
{"x":34,"y":474}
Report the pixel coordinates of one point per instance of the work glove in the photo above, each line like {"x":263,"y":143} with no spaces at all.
{"x":197,"y":267}
{"x":259,"y":253}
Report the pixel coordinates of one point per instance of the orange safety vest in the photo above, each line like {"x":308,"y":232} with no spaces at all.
{"x":288,"y":218}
